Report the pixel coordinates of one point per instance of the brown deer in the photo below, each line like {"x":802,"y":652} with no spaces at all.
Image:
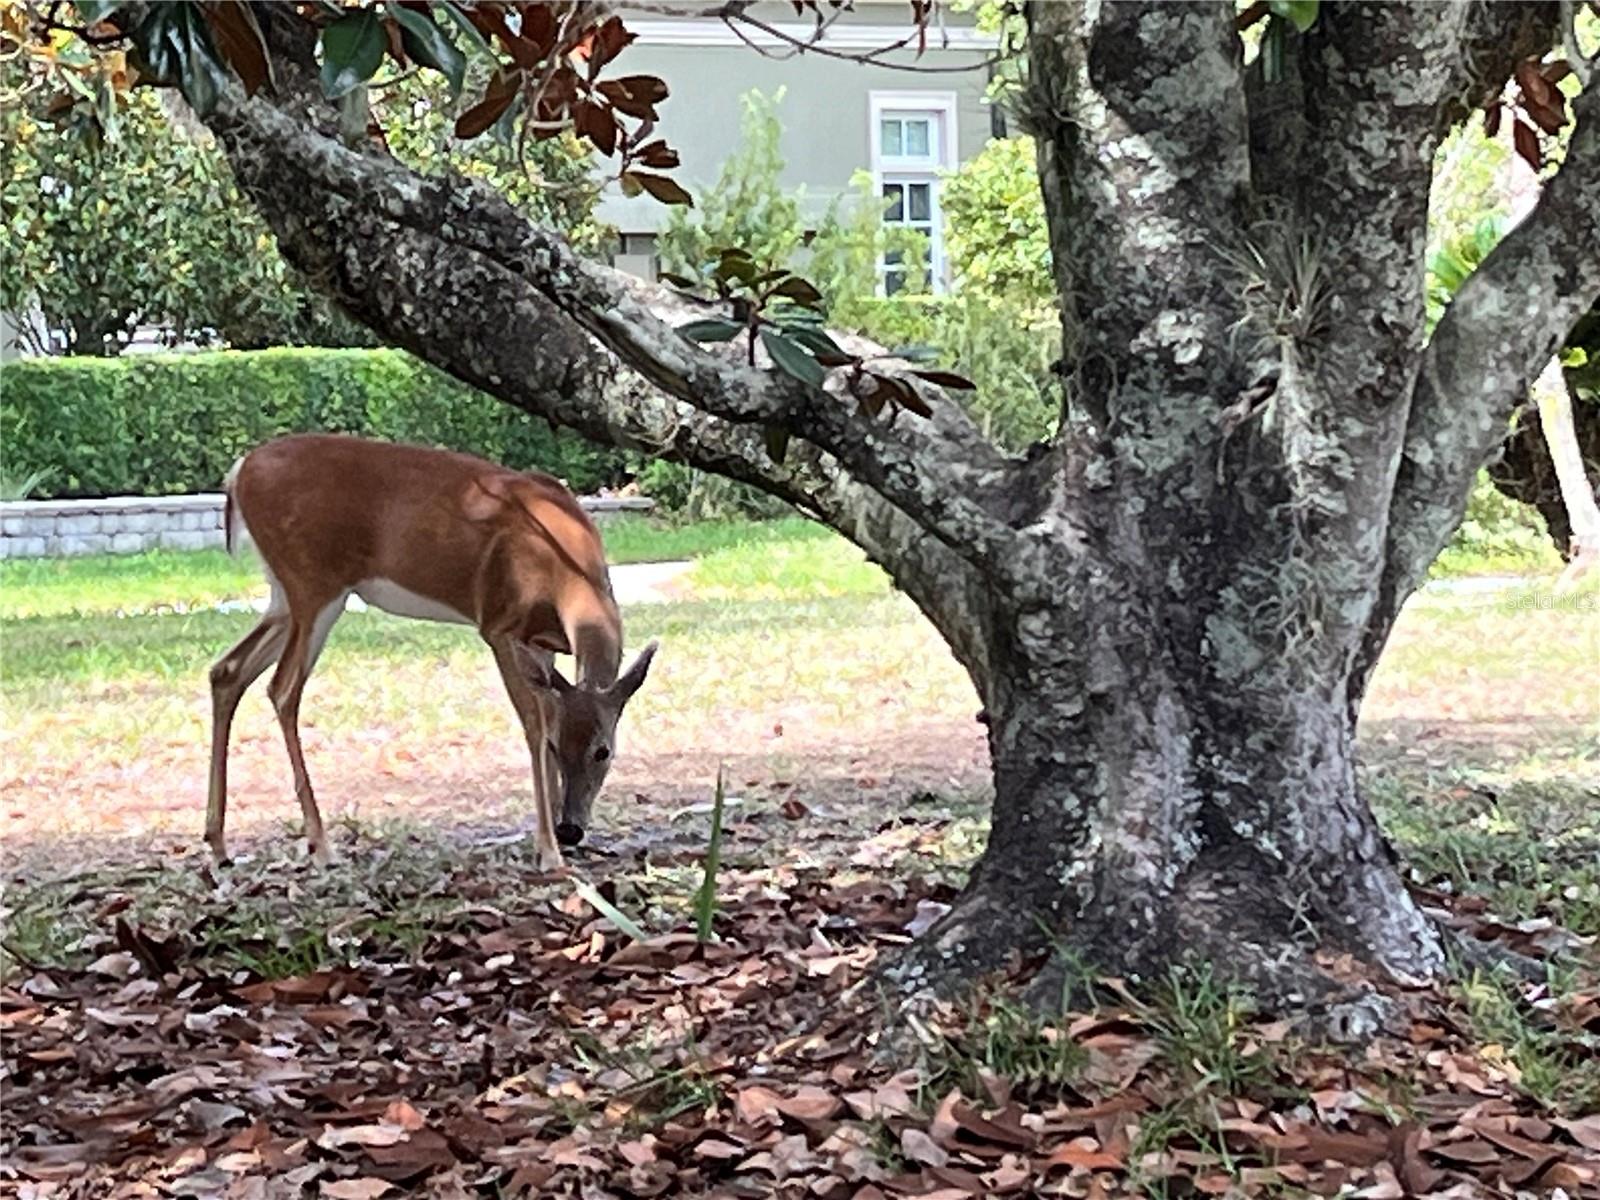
{"x":440,"y":537}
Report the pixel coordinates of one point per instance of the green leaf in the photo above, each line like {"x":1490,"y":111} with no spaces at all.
{"x":735,"y":264}
{"x":174,"y":44}
{"x":610,"y":911}
{"x":790,"y":358}
{"x":776,"y":438}
{"x":713,"y":329}
{"x":920,"y":352}
{"x":1302,"y":14}
{"x":677,"y":281}
{"x":826,"y":351}
{"x":428,"y":45}
{"x":800,"y":291}
{"x":1272,"y":50}
{"x":352,"y":50}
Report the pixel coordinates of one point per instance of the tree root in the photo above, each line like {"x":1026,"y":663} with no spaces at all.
{"x":1236,"y":915}
{"x":1490,"y":956}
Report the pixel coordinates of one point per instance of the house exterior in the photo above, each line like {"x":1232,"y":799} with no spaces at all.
{"x":839,"y":116}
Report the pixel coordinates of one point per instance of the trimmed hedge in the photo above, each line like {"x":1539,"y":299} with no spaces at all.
{"x":162,"y":424}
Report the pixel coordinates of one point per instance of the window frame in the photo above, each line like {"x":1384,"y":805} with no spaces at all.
{"x":905,"y":170}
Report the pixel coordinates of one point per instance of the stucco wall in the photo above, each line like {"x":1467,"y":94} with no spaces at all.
{"x":826,"y":131}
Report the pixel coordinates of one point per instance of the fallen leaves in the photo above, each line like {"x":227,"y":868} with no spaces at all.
{"x":536,"y":1048}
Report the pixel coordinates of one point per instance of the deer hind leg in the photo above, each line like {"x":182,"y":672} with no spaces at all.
{"x":303,"y":644}
{"x":534,"y":715}
{"x":231,"y":677}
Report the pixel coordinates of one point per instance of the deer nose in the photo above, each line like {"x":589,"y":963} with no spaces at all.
{"x":569,"y":834}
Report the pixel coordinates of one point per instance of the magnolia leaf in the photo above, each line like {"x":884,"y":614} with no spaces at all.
{"x":657,"y":154}
{"x":776,"y":438}
{"x":800,"y":291}
{"x":496,"y":100}
{"x":712,"y":329}
{"x":734,"y":264}
{"x":174,"y":46}
{"x":947,"y":379}
{"x":789,"y":357}
{"x":429,"y":46}
{"x":903,"y":394}
{"x":919,"y":352}
{"x":677,"y":281}
{"x":352,"y":51}
{"x":1526,"y":142}
{"x":823,"y":348}
{"x":664,"y":189}
{"x":238,"y":39}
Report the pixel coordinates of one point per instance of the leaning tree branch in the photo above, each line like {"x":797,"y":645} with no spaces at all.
{"x":942,"y":473}
{"x":541,"y":362}
{"x":1508,"y":320}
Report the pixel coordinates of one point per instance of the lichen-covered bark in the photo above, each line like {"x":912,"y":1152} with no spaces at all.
{"x":1169,"y":612}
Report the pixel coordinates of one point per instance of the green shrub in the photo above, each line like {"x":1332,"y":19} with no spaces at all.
{"x":995,"y":227}
{"x":174,"y":423}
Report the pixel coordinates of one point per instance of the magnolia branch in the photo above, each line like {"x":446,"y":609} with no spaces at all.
{"x":911,"y":467}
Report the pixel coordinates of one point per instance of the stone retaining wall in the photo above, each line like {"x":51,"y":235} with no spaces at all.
{"x":129,"y":524}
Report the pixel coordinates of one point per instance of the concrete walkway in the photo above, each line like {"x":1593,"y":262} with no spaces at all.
{"x":631,"y":583}
{"x":651,"y":583}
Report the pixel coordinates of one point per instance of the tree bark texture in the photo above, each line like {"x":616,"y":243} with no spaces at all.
{"x":1170,"y":611}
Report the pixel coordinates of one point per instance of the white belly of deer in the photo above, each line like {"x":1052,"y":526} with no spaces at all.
{"x":402,"y":602}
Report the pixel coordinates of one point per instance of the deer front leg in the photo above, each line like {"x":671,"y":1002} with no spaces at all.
{"x":534,"y":710}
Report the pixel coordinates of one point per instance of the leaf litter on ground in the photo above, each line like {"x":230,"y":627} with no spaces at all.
{"x":203,"y":1036}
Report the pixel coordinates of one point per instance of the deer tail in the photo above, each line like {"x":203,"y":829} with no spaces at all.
{"x":230,"y":511}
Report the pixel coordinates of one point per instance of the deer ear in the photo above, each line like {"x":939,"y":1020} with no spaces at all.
{"x":540,"y":668}
{"x":623,"y":689}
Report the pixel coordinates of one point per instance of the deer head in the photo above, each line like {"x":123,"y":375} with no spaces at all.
{"x":583,"y":735}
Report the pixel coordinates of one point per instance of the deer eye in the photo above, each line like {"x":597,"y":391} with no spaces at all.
{"x":601,"y":754}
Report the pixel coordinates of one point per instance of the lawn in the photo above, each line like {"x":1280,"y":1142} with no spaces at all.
{"x":432,"y":1013}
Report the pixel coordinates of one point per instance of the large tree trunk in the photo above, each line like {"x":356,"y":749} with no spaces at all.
{"x":1170,"y":613}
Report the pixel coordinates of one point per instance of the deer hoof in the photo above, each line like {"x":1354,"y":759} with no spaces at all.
{"x":549,"y":859}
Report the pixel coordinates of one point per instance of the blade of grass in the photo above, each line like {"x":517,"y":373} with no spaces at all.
{"x":610,"y":911}
{"x":705,"y":901}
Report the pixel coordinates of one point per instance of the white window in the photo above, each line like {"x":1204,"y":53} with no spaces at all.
{"x":913,"y":140}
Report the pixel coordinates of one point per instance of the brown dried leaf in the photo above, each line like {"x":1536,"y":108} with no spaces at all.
{"x":360,"y":1188}
{"x":917,"y":1146}
{"x":810,"y":1103}
{"x":1583,"y":1130}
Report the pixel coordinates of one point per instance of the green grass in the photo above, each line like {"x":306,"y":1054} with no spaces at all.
{"x":1559,"y":1066}
{"x":166,"y":580}
{"x":1002,"y":1039}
